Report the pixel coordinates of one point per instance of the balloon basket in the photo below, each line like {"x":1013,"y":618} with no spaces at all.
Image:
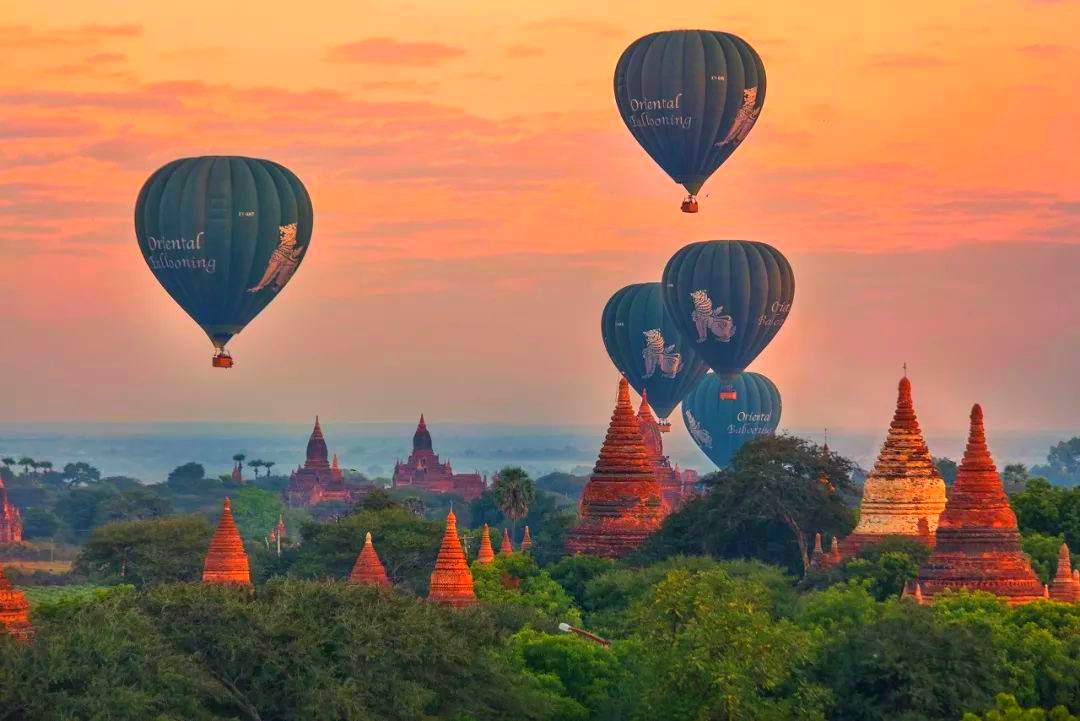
{"x":222,"y":359}
{"x":664,"y":425}
{"x":728,"y":394}
{"x":689,"y":204}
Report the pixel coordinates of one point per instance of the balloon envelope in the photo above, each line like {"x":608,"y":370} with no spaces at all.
{"x":223,"y":236}
{"x":721,"y":427}
{"x":729,"y":298}
{"x":689,"y":97}
{"x":642,"y":340}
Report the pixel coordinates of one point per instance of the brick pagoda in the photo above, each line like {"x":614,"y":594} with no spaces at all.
{"x":368,"y":569}
{"x":319,"y":480}
{"x":675,"y":485}
{"x":10,"y":518}
{"x":1064,"y":588}
{"x":621,"y":504}
{"x":487,"y":553}
{"x":904,"y":494}
{"x":14,"y":610}
{"x":226,"y":561}
{"x":978,"y":544}
{"x":451,"y":581}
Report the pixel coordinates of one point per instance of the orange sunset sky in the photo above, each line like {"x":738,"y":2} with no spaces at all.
{"x":477,"y":199}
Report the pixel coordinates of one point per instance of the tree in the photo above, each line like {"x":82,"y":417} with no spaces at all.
{"x":190,"y":478}
{"x":25,"y":462}
{"x":134,"y":505}
{"x":161,"y":550}
{"x":40,"y":523}
{"x":1064,"y":457}
{"x":887,"y":566}
{"x":947,"y":468}
{"x":78,"y":508}
{"x":1014,"y":476}
{"x":268,"y":465}
{"x":516,"y":579}
{"x":256,"y":464}
{"x":514,"y":492}
{"x":256,"y":511}
{"x":1043,"y":552}
{"x":239,"y":459}
{"x":80,"y":474}
{"x":1007,"y":709}
{"x":8,"y":461}
{"x":771,"y":495}
{"x":707,"y":647}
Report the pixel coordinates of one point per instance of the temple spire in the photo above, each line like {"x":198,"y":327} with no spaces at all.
{"x":1064,"y":587}
{"x":978,"y":543}
{"x":904,"y":494}
{"x":226,"y":561}
{"x":506,"y":548}
{"x":621,"y":504}
{"x":487,"y":553}
{"x":451,"y":581}
{"x":368,"y":569}
{"x":526,"y":542}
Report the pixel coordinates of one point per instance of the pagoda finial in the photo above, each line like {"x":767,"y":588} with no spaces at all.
{"x":226,"y":560}
{"x":487,"y":553}
{"x":507,"y":546}
{"x":368,"y":568}
{"x":905,"y":369}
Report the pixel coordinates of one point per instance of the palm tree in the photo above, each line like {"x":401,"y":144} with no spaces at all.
{"x":46,"y":466}
{"x":514,"y":493}
{"x":268,"y":465}
{"x":256,"y":464}
{"x":26,"y":462}
{"x":239,"y":458}
{"x":8,"y":461}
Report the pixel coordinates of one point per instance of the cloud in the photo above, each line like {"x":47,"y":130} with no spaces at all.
{"x":45,"y":127}
{"x":564,"y":25}
{"x":388,"y":51}
{"x":1039,"y":50}
{"x":67,"y":99}
{"x":522,"y":50}
{"x":99,"y":58}
{"x":21,"y":36}
{"x":906,"y":60}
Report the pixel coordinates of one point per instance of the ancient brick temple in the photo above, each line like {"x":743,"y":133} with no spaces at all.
{"x":487,"y":553}
{"x":14,"y":610}
{"x":675,"y":485}
{"x":368,"y":569}
{"x":226,"y":561}
{"x":821,"y":560}
{"x":451,"y":581}
{"x":978,"y":544}
{"x":506,"y":546}
{"x":321,"y":480}
{"x":10,"y":518}
{"x":904,"y":494}
{"x":621,"y":504}
{"x":1064,"y":588}
{"x":424,"y":470}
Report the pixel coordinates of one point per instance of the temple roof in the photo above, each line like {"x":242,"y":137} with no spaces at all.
{"x":226,"y":560}
{"x":421,"y":440}
{"x":451,"y":581}
{"x":317,"y":455}
{"x":624,"y":448}
{"x":368,"y":569}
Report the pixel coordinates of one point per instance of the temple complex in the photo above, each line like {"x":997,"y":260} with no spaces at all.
{"x":1064,"y":588}
{"x":10,"y":518}
{"x":506,"y":547}
{"x":621,"y":504}
{"x":526,"y":541}
{"x":675,"y":485}
{"x":424,"y":470}
{"x":904,"y":494}
{"x":14,"y":610}
{"x":368,"y":569}
{"x":226,"y":561}
{"x":487,"y":553}
{"x":451,"y":581}
{"x":321,"y":480}
{"x":978,"y":544}
{"x":821,"y":560}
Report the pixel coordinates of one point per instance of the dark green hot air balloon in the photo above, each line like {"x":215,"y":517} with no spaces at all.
{"x":720,"y":427}
{"x":729,"y":299}
{"x":223,"y":235}
{"x":644,"y":344}
{"x":690,"y":97}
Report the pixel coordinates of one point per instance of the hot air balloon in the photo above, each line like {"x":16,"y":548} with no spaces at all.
{"x":643,"y":343}
{"x":721,"y":427}
{"x":223,"y":236}
{"x":728,"y":298}
{"x":689,"y":97}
